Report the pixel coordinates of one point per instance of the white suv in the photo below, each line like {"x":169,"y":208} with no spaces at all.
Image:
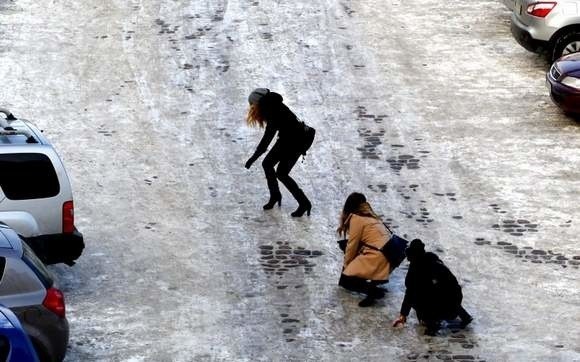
{"x":35,"y":193}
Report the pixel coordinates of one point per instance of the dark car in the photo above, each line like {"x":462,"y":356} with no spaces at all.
{"x":14,"y":343}
{"x":563,"y":80}
{"x":27,"y":288}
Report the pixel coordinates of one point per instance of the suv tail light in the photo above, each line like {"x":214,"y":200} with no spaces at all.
{"x":68,"y":217}
{"x":54,"y":302}
{"x":541,"y":9}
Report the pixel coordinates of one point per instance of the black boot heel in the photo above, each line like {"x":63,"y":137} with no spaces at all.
{"x":367,"y":302}
{"x":301,"y":210}
{"x":272,"y":203}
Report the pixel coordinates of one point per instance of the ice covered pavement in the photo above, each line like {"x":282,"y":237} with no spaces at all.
{"x":431,"y":109}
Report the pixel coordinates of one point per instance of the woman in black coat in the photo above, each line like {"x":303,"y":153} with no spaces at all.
{"x":267,"y":111}
{"x":432,"y":290}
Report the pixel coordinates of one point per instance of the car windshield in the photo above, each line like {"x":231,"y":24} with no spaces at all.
{"x":36,"y":265}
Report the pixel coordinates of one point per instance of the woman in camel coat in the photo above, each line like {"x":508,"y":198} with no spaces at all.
{"x":365,"y":266}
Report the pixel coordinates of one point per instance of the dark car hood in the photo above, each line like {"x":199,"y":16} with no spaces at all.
{"x":569,"y":64}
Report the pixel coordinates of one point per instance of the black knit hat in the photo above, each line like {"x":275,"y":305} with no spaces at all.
{"x":416,"y":248}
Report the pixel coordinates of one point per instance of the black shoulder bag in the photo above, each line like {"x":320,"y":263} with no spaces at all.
{"x":307,"y":137}
{"x":393,"y":250}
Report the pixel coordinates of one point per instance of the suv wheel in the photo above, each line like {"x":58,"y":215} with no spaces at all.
{"x":566,"y":44}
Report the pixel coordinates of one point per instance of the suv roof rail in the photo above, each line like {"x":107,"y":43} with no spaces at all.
{"x":7,"y":130}
{"x":9,"y":117}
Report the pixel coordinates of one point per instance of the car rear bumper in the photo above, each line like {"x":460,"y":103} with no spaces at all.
{"x":48,"y":332}
{"x":522,"y":35}
{"x":58,"y":248}
{"x":564,"y":97}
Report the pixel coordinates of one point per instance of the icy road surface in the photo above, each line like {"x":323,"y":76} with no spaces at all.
{"x":430,"y":109}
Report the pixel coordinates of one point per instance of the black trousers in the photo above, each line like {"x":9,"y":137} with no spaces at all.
{"x":285,"y":156}
{"x":359,"y":285}
{"x":433,"y":316}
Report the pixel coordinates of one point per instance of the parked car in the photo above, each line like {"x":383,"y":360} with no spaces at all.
{"x":35,"y":193}
{"x":15,"y":345}
{"x":27,"y":288}
{"x":563,"y":81}
{"x":549,"y":27}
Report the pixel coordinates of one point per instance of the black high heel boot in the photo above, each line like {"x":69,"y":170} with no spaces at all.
{"x":367,"y":302}
{"x":273,"y":201}
{"x":302,"y":208}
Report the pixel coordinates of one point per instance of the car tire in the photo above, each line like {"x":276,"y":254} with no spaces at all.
{"x":567,"y":43}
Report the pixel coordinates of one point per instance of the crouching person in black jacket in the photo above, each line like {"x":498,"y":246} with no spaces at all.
{"x":432,"y":290}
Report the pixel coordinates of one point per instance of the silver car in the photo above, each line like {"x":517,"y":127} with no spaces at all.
{"x":36,"y":198}
{"x":548,"y":27}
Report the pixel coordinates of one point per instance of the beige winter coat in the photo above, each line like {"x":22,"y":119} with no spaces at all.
{"x":361,"y":261}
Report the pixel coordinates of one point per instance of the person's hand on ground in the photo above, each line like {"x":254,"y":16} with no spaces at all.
{"x":400,"y":321}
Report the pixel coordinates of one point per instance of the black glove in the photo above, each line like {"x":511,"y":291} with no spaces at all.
{"x":250,"y":162}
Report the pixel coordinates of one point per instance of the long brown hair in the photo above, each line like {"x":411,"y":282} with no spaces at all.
{"x":254,"y":117}
{"x":356,"y":203}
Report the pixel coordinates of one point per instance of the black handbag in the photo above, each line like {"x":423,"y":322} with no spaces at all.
{"x":308,"y":138}
{"x":393,"y":250}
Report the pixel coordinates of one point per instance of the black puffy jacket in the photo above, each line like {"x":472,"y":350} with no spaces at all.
{"x":432,"y":290}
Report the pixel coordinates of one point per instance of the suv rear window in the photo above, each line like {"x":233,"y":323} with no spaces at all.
{"x":36,"y":265}
{"x":28,"y":176}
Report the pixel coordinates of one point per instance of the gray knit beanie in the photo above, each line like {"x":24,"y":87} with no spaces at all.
{"x":257,"y":94}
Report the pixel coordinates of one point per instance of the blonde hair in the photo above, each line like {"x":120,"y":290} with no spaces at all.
{"x":254,"y":117}
{"x":363,"y":209}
